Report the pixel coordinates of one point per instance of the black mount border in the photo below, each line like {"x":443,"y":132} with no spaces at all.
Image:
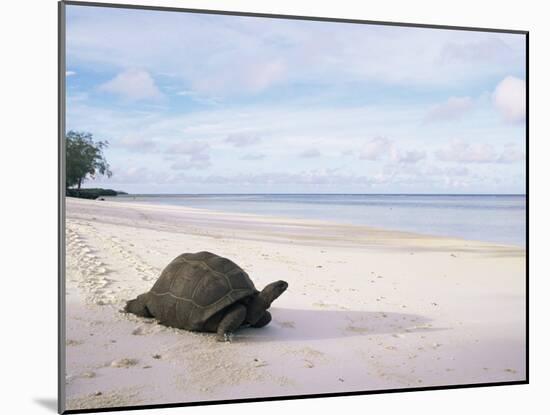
{"x":61,"y":205}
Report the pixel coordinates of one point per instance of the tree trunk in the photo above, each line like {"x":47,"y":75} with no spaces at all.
{"x":78,"y":189}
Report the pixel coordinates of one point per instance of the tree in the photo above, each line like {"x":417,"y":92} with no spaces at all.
{"x":84,"y":158}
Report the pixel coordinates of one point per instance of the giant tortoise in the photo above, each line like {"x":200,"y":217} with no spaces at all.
{"x":206,"y":292}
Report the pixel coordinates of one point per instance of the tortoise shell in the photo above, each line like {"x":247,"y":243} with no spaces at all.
{"x":194,"y":287}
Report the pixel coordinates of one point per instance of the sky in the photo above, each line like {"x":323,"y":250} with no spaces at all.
{"x":196,"y":103}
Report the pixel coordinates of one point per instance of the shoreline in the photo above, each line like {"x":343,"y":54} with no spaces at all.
{"x":300,"y":223}
{"x":366,"y":308}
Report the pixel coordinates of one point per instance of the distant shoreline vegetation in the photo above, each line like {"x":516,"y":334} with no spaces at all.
{"x":94,"y":193}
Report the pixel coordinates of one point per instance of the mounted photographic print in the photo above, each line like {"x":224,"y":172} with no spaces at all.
{"x":256,"y":207}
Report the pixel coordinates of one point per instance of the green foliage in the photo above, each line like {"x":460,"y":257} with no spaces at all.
{"x":93,"y":193}
{"x":84,"y":158}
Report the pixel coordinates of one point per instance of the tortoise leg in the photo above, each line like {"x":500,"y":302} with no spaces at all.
{"x":263,"y":321}
{"x":231,"y":321}
{"x":138,"y":306}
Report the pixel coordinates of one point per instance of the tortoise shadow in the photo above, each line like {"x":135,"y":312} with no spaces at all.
{"x":299,"y":324}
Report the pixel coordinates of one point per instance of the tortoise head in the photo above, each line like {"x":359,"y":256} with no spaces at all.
{"x":272,"y":291}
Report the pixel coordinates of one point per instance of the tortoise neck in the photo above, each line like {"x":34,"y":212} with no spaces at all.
{"x":260,"y":301}
{"x":256,"y":308}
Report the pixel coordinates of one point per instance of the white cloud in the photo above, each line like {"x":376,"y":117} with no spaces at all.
{"x":379,"y":148}
{"x":132,"y":175}
{"x":188,"y":147}
{"x":211,"y":100}
{"x":462,"y":152}
{"x":407,"y":156}
{"x":137,"y":175}
{"x":375,"y":148}
{"x":307,"y":177}
{"x":189,"y":155}
{"x":253,"y":156}
{"x":490,"y":49}
{"x":456,"y":171}
{"x":511,"y":155}
{"x":247,"y":55}
{"x":138,"y":144}
{"x":310,"y":153}
{"x":266,"y":74}
{"x":198,"y":161}
{"x":133,"y":84}
{"x":243,"y":139}
{"x":452,"y":109}
{"x":287,"y":131}
{"x":186,"y":93}
{"x":70,"y":73}
{"x":510,"y":99}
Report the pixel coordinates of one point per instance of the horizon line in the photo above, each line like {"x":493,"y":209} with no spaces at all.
{"x":322,"y":194}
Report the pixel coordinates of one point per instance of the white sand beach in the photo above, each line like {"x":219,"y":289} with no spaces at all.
{"x":366,"y":309}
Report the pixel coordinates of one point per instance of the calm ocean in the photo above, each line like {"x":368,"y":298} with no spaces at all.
{"x":491,"y":218}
